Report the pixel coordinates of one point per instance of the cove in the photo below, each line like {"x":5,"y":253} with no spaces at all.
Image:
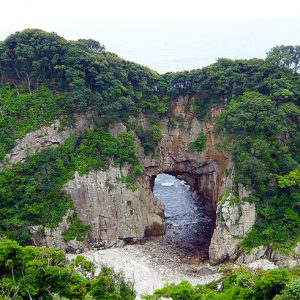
{"x":187,"y":226}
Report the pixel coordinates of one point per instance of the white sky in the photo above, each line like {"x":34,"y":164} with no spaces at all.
{"x":110,"y":21}
{"x":63,"y":15}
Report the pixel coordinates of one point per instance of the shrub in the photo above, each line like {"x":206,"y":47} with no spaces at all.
{"x":236,"y":284}
{"x":199,"y":144}
{"x":45,"y":273}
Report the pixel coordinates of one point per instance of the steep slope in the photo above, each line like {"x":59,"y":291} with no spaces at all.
{"x":81,"y":174}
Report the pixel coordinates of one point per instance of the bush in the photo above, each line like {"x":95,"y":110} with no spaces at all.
{"x":111,"y":285}
{"x":292,"y":290}
{"x":199,"y":144}
{"x":44,"y":273}
{"x":77,"y":229}
{"x":236,"y":284}
{"x":239,"y":283}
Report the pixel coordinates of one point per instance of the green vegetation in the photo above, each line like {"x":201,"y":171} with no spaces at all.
{"x":77,"y":229}
{"x":228,"y":78}
{"x":149,"y":136}
{"x":199,"y":144}
{"x":44,"y":273}
{"x":128,"y":181}
{"x":44,"y":77}
{"x":36,"y":186}
{"x":21,"y":113}
{"x":285,"y":56}
{"x":240,"y":284}
{"x":264,"y":133}
{"x":88,"y":76}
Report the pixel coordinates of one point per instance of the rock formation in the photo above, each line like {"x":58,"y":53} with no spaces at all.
{"x":46,"y":136}
{"x":119,"y":215}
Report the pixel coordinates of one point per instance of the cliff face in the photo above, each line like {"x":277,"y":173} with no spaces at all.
{"x":119,"y":215}
{"x":116,"y":214}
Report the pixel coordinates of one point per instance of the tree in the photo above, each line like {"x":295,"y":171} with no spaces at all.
{"x":289,"y":180}
{"x":31,"y":55}
{"x":285,"y":56}
{"x":92,"y":45}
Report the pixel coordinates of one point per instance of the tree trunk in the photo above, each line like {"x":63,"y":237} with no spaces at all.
{"x":28,"y":83}
{"x":37,"y":84}
{"x":17,"y":72}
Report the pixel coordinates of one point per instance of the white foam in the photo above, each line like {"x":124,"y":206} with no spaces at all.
{"x":167,"y":183}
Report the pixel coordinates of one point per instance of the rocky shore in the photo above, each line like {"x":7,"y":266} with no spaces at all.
{"x":152,"y":264}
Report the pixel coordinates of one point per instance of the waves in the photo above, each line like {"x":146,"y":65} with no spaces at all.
{"x":185,"y":219}
{"x":169,"y":180}
{"x":167,"y":183}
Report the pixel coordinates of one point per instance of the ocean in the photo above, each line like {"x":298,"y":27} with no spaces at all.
{"x":178,"y":46}
{"x":186,"y":224}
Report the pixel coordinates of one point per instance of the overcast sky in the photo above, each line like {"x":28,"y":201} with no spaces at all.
{"x":131,"y":27}
{"x":63,"y":14}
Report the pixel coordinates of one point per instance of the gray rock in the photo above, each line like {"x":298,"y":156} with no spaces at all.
{"x":252,"y":255}
{"x":118,"y":215}
{"x":53,"y":237}
{"x":228,"y":235}
{"x":230,"y":213}
{"x":291,"y":260}
{"x":45,"y":137}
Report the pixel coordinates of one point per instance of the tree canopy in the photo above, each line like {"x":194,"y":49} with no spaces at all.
{"x":285,"y":56}
{"x":45,"y":77}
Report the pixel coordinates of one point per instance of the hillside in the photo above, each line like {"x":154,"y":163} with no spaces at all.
{"x":83,"y":132}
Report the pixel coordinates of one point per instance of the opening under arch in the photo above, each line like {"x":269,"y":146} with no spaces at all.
{"x":187,"y":226}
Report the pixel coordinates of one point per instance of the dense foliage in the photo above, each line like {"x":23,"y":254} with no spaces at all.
{"x":285,"y":56}
{"x":199,"y":144}
{"x":31,"y":188}
{"x":44,"y":77}
{"x":21,"y":112}
{"x":89,"y":76}
{"x":243,"y":283}
{"x":44,"y":273}
{"x":263,"y":134}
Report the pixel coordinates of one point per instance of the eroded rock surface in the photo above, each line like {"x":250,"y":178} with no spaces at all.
{"x":117,"y":215}
{"x":234,"y":222}
{"x":45,"y":137}
{"x":53,"y":238}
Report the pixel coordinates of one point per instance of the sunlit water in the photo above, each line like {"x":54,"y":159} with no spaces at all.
{"x":186,"y":223}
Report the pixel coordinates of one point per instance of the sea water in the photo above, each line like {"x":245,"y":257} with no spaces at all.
{"x":186,"y":223}
{"x":177,"y":46}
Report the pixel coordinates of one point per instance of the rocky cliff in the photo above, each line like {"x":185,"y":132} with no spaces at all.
{"x":118,"y":214}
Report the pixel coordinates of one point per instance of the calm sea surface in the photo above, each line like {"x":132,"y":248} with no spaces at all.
{"x":185,"y":46}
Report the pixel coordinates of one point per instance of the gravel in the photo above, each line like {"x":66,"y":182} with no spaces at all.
{"x":151,"y":265}
{"x":156,"y":262}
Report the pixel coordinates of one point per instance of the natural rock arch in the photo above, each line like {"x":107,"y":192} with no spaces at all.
{"x":201,"y":179}
{"x":117,"y":214}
